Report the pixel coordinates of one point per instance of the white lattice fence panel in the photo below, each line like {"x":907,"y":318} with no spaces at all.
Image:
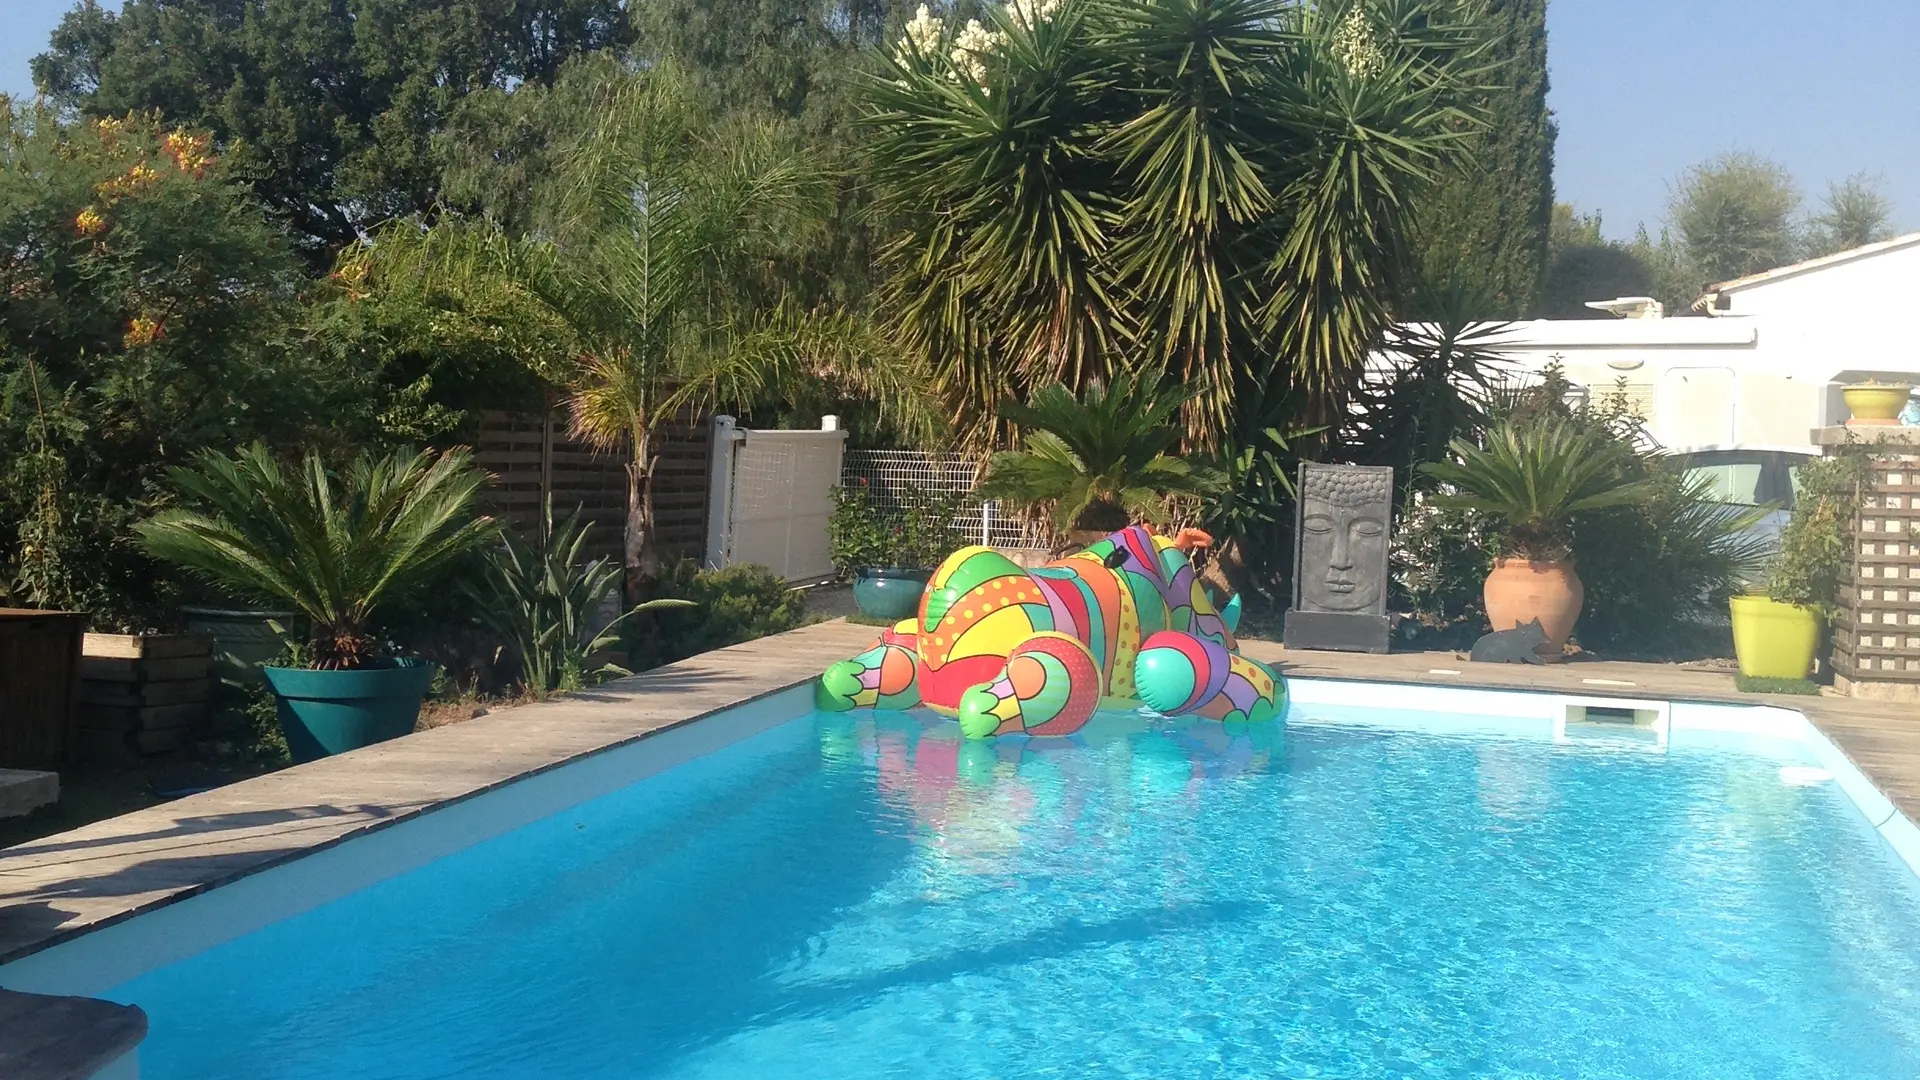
{"x":782,"y":484}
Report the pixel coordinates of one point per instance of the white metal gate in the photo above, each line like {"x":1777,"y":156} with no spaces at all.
{"x":771,"y":496}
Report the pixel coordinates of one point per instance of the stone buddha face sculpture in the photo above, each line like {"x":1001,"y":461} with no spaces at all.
{"x":1343,"y":538}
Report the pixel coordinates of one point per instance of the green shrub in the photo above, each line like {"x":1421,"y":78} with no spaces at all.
{"x":1816,"y":557}
{"x":911,"y":529}
{"x":1440,"y":560}
{"x":1659,"y":572}
{"x":142,"y":319}
{"x":730,"y":606}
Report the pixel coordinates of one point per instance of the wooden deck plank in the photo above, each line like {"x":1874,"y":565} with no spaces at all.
{"x":62,"y":885}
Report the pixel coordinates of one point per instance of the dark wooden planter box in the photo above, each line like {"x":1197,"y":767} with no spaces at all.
{"x":39,"y":687}
{"x":143,"y":693}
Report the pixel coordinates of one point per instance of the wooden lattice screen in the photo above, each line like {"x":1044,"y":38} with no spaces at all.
{"x":530,"y":455}
{"x":1878,"y":638}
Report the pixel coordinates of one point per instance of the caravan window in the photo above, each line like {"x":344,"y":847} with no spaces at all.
{"x":1745,"y":477}
{"x":1731,"y":483}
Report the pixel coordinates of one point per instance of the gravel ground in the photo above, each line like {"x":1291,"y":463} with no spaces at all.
{"x":831,"y":601}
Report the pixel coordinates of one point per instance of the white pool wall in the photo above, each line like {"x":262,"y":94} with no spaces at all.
{"x":1760,"y":729}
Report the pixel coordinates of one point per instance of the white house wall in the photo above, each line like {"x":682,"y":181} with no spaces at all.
{"x":1759,"y":376}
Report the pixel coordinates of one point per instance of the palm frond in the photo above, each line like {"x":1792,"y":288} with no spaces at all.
{"x":335,"y":550}
{"x":1535,"y":475}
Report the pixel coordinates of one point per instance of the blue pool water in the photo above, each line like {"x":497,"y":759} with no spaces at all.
{"x":848,"y":898}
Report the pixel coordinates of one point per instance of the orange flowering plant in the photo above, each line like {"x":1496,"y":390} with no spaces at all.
{"x":145,"y":302}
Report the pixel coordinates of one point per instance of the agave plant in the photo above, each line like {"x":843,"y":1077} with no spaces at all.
{"x":334,"y":548}
{"x":1534,"y":476}
{"x":1100,"y":459}
{"x":541,"y":598}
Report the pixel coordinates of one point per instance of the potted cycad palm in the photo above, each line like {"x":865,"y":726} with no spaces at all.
{"x":1099,"y":461}
{"x":336,"y":549}
{"x":1533,"y":476}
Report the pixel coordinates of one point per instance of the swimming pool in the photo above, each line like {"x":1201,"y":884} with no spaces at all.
{"x":1362,"y":893}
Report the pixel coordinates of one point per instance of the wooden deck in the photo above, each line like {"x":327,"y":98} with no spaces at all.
{"x":60,"y":886}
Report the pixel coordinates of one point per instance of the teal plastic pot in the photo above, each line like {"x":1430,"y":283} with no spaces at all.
{"x":889,"y":592}
{"x":332,"y":712}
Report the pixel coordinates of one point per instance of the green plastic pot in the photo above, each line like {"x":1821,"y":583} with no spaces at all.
{"x":1774,"y":640}
{"x":889,"y":592}
{"x":332,"y":712}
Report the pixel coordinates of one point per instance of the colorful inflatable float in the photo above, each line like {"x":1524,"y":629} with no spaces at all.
{"x":1009,"y":650}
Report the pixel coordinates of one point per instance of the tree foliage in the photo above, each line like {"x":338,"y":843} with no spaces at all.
{"x":1485,"y":223}
{"x":789,"y":56}
{"x":329,"y":108}
{"x":1854,"y":213}
{"x":654,"y":272}
{"x":1220,"y":189}
{"x":1734,"y":216}
{"x":1583,"y":265}
{"x":145,"y":307}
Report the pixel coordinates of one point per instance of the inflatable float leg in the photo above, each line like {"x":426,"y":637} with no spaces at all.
{"x":884,"y":677}
{"x":1050,"y":686}
{"x":1178,"y":674}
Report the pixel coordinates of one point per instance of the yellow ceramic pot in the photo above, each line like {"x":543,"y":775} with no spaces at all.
{"x":1875,"y":405}
{"x":1774,"y":640}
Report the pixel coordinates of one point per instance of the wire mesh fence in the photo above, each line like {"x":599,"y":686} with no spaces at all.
{"x":890,"y":474}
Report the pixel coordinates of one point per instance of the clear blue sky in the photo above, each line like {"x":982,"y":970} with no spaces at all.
{"x":1641,"y":88}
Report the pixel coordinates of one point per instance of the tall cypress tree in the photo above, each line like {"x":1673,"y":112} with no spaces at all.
{"x":1484,"y":225}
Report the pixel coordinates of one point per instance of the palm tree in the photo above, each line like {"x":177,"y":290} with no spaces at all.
{"x":653,"y":278}
{"x":1099,"y":460}
{"x":1535,"y":475}
{"x":1220,"y":189}
{"x":335,"y":549}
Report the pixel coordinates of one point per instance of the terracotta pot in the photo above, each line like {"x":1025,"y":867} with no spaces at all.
{"x":1519,"y":591}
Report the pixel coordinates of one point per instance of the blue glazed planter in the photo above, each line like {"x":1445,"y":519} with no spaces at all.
{"x":331,"y":712}
{"x":889,"y":592}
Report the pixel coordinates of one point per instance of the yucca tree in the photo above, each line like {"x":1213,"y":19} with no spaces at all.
{"x":1534,"y":475}
{"x":1220,"y":189}
{"x":335,"y":548}
{"x":655,"y":276}
{"x":543,"y":598}
{"x":1100,"y":459}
